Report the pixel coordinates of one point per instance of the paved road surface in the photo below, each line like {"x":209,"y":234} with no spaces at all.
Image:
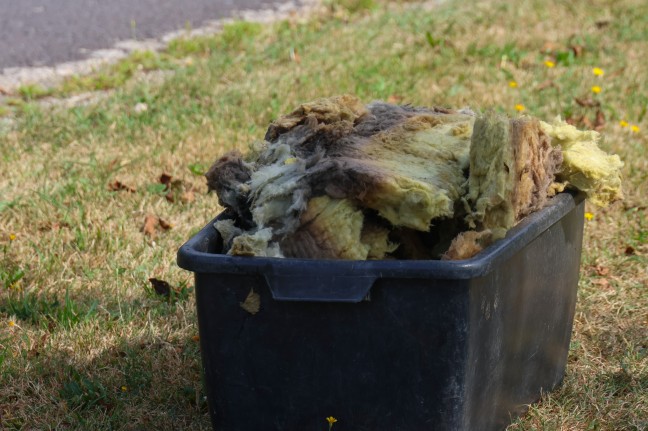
{"x":48,"y":32}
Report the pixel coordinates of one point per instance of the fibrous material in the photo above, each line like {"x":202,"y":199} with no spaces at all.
{"x":586,"y":167}
{"x":339,"y":179}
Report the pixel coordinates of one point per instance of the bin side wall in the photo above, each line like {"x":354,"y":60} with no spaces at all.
{"x":521,"y":317}
{"x":394,"y":362}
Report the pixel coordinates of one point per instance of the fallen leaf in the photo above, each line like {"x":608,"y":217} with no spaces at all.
{"x":53,"y":226}
{"x":160,"y":287}
{"x":294,"y":55}
{"x":599,"y":122}
{"x":577,"y":50}
{"x":252,"y":303}
{"x":177,"y":190}
{"x":546,"y":84}
{"x":112,"y":164}
{"x":164,"y":225}
{"x":602,"y":23}
{"x":586,"y":123}
{"x":602,"y":270}
{"x":587,"y":102}
{"x":188,"y":196}
{"x":116,"y":186}
{"x":165,"y":179}
{"x":196,"y":338}
{"x":150,"y":221}
{"x":573,"y":120}
{"x":630,"y":251}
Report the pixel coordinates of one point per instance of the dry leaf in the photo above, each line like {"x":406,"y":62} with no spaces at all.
{"x":150,"y":221}
{"x":587,"y":103}
{"x":165,"y":179}
{"x":577,"y":50}
{"x":164,"y":224}
{"x":599,"y":122}
{"x":188,"y":196}
{"x":53,"y":226}
{"x":294,"y":56}
{"x":112,"y":164}
{"x":177,"y":190}
{"x":574,"y":121}
{"x":546,"y":84}
{"x":160,"y":287}
{"x":252,"y":303}
{"x":602,"y":270}
{"x":586,"y":123}
{"x":116,"y":186}
{"x":630,"y":251}
{"x":602,"y":23}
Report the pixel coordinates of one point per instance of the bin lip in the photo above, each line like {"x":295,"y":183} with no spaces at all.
{"x":190,"y":258}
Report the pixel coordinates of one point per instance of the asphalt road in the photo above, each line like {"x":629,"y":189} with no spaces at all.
{"x":48,"y":32}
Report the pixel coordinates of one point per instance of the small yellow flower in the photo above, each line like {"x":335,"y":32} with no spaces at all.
{"x":513,"y":84}
{"x":589,"y":216}
{"x":634,"y":128}
{"x":520,"y":107}
{"x":623,"y":123}
{"x":596,"y":89}
{"x":124,"y":388}
{"x":549,"y":64}
{"x":598,"y":71}
{"x":12,"y":237}
{"x":12,"y":323}
{"x":331,"y":420}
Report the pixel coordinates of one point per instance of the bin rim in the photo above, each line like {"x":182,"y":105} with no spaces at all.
{"x":190,"y":256}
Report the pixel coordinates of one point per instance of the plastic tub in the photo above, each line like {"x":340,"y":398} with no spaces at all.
{"x":388,"y":345}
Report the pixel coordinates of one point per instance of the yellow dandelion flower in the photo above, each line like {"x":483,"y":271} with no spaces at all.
{"x":598,"y":71}
{"x":124,"y":388}
{"x":596,"y":89}
{"x":549,"y":64}
{"x":623,"y":123}
{"x":12,"y":323}
{"x":589,"y":216}
{"x":12,"y":237}
{"x":513,"y":84}
{"x":520,"y":107}
{"x":634,"y":128}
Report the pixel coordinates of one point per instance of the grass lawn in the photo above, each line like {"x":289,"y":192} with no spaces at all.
{"x":87,"y":343}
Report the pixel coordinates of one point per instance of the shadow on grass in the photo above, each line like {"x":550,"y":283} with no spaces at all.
{"x":147,"y":378}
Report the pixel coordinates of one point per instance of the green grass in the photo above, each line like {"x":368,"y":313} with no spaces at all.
{"x":93,"y":347}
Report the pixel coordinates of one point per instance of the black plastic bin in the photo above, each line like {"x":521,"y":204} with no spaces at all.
{"x":388,"y":345}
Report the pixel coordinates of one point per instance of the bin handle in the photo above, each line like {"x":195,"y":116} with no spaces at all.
{"x":319,"y":287}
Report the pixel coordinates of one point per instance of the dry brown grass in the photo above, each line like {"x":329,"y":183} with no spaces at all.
{"x":117,"y":356}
